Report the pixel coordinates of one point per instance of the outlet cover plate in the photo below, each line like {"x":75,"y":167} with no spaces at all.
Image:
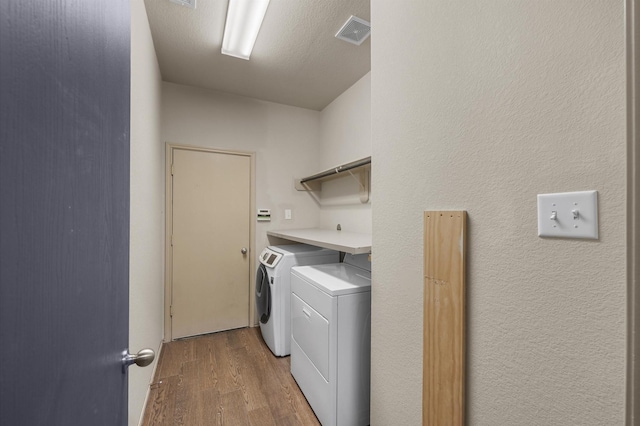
{"x":576,"y":215}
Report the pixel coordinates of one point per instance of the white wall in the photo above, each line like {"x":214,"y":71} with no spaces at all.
{"x":285,"y":140}
{"x":146,"y":273}
{"x":346,"y":126}
{"x":345,"y":136}
{"x":481,"y":106}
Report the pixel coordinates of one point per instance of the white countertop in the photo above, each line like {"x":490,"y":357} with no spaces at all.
{"x":348,"y":242}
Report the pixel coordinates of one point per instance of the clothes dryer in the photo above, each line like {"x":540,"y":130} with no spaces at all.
{"x":273,"y":289}
{"x":331,"y":338}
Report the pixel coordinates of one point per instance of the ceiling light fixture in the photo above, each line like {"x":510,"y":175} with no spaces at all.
{"x":244,"y":18}
{"x":188,"y":3}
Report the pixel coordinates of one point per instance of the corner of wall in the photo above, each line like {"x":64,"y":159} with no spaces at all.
{"x":345,"y":136}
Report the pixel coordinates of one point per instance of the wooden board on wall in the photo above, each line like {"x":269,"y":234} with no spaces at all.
{"x":444,"y":318}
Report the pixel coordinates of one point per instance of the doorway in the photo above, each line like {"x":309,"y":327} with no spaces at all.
{"x":209,"y":243}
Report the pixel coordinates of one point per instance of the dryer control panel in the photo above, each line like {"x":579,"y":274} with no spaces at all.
{"x":269,"y":257}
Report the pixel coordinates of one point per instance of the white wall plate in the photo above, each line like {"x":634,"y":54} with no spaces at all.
{"x":568,"y":215}
{"x":264,"y":215}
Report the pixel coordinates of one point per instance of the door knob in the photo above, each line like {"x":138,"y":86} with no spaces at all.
{"x":143,"y":358}
{"x":243,"y":250}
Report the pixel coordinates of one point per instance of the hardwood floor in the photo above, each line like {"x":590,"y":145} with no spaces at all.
{"x":226,"y":378}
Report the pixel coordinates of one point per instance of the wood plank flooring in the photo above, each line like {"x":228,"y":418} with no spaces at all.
{"x":226,"y":378}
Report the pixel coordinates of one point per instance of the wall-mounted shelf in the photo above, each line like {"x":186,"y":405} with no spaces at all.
{"x":358,"y":169}
{"x":348,"y":242}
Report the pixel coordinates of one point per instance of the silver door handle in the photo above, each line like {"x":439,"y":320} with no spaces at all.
{"x":143,"y":358}
{"x":243,"y":250}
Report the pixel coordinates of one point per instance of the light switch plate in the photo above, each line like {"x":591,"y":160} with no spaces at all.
{"x":568,"y":215}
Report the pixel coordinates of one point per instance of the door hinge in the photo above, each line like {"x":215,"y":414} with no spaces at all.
{"x":171,"y":240}
{"x":171,"y":169}
{"x":170,"y":310}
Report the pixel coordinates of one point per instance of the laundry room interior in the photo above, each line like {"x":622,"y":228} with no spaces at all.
{"x":446,"y":107}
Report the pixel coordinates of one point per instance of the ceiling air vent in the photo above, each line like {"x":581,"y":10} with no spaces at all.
{"x":188,"y":3}
{"x":355,"y":30}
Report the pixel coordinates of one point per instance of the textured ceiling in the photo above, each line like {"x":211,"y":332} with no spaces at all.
{"x":296,"y":59}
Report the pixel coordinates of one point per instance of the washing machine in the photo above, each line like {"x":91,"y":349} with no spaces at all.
{"x":331,"y":338}
{"x":273,"y":289}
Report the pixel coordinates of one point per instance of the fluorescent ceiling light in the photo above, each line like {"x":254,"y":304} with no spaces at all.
{"x":244,"y":18}
{"x":188,"y":3}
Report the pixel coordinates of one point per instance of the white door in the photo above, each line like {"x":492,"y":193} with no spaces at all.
{"x":210,"y":241}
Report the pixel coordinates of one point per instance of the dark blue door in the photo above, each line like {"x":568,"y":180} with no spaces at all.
{"x":64,"y":211}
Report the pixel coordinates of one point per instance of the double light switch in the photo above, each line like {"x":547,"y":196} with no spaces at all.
{"x":568,"y":215}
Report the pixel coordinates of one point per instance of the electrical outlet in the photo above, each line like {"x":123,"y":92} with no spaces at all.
{"x":287,"y":214}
